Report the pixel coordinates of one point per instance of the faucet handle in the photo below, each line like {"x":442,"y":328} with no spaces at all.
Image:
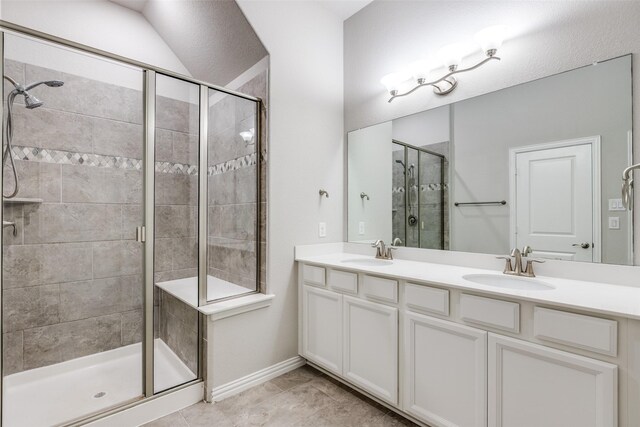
{"x":380,"y":248}
{"x":508,"y":269}
{"x":388,"y":254}
{"x":528,"y":271}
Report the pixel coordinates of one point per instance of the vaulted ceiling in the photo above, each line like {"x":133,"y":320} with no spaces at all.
{"x":212,"y":38}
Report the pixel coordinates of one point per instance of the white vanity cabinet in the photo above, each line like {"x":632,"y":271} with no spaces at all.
{"x":440,"y":355}
{"x":322,"y":328}
{"x":346,"y":333}
{"x":445,"y":367}
{"x":370,"y":347}
{"x":531,"y":385}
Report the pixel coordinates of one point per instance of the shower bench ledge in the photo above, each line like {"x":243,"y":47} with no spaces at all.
{"x":186,"y":290}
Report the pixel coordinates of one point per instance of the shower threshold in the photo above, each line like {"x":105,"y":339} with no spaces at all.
{"x":59,"y":393}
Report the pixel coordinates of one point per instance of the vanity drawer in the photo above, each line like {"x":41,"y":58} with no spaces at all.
{"x":381,"y":289}
{"x":576,"y":330}
{"x":313,"y":275}
{"x":343,"y":281}
{"x":426,"y":298}
{"x":490,"y":312}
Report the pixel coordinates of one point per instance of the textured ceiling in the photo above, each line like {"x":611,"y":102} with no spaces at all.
{"x":136,"y":5}
{"x":212,"y":38}
{"x":343,"y":8}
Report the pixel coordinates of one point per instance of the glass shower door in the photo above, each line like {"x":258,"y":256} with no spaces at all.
{"x":176,"y":233}
{"x":72,"y":268}
{"x":232,"y":202}
{"x":432,"y":206}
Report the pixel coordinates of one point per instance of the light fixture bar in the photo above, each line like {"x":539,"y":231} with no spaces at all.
{"x":447,"y":78}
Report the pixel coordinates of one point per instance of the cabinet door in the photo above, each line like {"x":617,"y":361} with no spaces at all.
{"x":445,"y":366}
{"x":322,"y":328}
{"x":531,"y":386}
{"x":371,"y":347}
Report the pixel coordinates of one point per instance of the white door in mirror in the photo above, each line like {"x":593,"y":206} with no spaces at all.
{"x":554,"y":202}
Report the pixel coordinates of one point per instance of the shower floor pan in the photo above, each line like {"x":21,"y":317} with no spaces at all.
{"x":59,"y":393}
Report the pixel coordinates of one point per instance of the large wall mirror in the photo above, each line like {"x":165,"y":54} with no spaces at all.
{"x":538,"y":164}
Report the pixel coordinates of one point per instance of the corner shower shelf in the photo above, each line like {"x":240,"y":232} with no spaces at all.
{"x":22,"y":200}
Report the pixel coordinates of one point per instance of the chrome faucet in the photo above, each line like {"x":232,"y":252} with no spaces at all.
{"x":517,"y":256}
{"x":382,"y":251}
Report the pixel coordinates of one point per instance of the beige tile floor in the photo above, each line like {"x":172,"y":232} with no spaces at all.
{"x":301,"y":398}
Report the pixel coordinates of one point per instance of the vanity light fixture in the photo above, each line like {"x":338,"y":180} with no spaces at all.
{"x":490,"y":40}
{"x":247,"y":136}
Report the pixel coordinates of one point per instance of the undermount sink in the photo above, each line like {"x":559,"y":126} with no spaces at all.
{"x":511,"y":282}
{"x":367,"y":262}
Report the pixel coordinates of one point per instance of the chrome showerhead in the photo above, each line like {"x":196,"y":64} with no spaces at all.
{"x":31,"y":101}
{"x":54,"y":83}
{"x":50,"y":83}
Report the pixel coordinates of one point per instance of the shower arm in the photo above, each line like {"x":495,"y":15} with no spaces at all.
{"x":13,"y":82}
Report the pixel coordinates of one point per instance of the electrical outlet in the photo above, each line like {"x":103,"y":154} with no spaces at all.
{"x":361,"y":228}
{"x":614,"y":223}
{"x":322,"y":229}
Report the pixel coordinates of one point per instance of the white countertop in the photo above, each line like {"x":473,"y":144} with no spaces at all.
{"x":617,"y":300}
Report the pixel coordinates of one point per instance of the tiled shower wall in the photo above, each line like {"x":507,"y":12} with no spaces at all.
{"x":72,"y":275}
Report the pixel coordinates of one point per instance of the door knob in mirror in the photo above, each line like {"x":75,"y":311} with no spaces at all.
{"x":582,"y":245}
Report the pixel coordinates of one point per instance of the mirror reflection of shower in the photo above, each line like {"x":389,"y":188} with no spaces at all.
{"x":30,"y":102}
{"x":419,"y":184}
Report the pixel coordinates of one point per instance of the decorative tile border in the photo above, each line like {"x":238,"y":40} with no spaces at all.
{"x":45,"y":155}
{"x":233,"y":165}
{"x":70,"y":158}
{"x":423,"y":188}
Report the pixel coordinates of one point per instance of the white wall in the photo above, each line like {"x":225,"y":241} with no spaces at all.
{"x":96,"y":23}
{"x":370,"y":171}
{"x":306,"y":152}
{"x":547,"y":38}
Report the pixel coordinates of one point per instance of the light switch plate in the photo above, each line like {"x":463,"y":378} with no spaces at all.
{"x":614,"y":223}
{"x":322,"y":229}
{"x":615,"y":205}
{"x":361,"y":228}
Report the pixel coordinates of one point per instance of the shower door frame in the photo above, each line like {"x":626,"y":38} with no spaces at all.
{"x":149,"y":109}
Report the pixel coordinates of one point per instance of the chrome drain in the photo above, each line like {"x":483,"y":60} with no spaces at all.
{"x":99,"y":395}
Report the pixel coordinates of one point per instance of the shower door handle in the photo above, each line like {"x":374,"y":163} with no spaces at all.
{"x":141,"y":234}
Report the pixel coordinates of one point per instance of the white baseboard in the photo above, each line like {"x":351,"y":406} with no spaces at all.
{"x":259,"y":377}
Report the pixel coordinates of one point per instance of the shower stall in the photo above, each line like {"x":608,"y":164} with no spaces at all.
{"x":131,"y":199}
{"x":420,"y":195}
